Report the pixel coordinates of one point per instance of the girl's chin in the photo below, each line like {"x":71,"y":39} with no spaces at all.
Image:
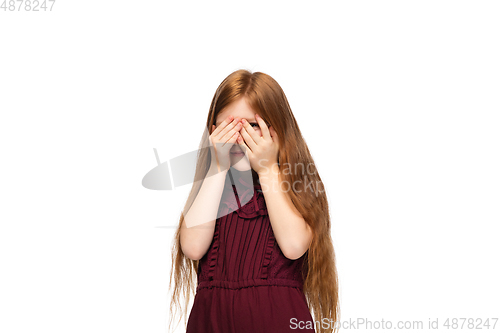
{"x":238,"y":158}
{"x":241,"y":165}
{"x":241,"y":169}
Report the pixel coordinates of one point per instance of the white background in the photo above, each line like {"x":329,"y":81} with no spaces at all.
{"x":398,"y":102}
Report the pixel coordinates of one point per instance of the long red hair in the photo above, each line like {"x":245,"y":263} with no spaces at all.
{"x":296,"y":164}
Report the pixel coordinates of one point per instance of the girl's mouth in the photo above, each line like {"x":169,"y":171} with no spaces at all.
{"x":238,"y":153}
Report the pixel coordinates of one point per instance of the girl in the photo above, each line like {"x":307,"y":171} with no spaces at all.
{"x":256,"y":226}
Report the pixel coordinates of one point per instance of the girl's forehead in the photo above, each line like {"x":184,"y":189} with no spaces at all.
{"x":239,"y":108}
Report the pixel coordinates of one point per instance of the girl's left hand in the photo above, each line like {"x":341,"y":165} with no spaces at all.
{"x":262,"y":151}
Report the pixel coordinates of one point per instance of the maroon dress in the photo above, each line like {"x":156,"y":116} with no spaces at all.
{"x":245,"y":283}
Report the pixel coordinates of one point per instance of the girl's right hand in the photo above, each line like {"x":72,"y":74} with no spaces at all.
{"x":222,"y":139}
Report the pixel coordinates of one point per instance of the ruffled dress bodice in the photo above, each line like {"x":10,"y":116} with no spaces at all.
{"x":245,"y":283}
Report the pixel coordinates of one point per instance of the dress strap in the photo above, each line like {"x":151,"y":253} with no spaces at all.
{"x":243,"y":195}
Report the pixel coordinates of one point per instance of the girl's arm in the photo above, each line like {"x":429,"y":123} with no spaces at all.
{"x":197,"y":230}
{"x":293,"y":234}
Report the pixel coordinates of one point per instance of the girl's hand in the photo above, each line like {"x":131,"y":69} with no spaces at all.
{"x":262,"y":151}
{"x":222,"y":139}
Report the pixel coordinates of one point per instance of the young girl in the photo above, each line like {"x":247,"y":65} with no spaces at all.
{"x":256,"y":226}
